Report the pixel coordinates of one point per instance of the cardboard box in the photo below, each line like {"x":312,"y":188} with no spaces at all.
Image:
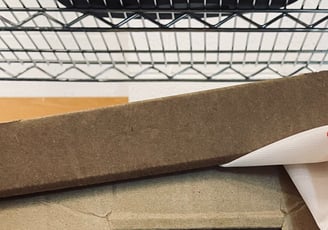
{"x":202,"y":199}
{"x":157,"y":137}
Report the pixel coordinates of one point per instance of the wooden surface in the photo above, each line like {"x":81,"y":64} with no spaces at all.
{"x":12,"y":109}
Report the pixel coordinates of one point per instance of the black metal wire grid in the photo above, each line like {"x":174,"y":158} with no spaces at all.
{"x":48,"y":41}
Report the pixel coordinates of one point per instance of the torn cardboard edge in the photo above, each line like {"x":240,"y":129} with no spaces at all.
{"x":157,"y":136}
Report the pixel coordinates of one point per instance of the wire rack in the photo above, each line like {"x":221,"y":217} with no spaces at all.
{"x":161,"y":40}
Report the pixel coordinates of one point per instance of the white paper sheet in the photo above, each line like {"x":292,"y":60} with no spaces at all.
{"x":311,"y":181}
{"x":305,"y":156}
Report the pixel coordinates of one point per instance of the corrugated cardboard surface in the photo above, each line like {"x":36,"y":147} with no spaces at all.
{"x":217,"y":198}
{"x":158,"y":136}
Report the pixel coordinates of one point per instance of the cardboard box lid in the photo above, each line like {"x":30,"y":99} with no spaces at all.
{"x":157,"y":136}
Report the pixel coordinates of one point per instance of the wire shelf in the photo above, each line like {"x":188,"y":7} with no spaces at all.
{"x":160,"y":40}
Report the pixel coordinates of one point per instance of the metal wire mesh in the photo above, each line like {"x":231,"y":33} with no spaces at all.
{"x":46,"y":40}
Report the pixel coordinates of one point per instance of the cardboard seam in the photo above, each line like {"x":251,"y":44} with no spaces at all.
{"x":205,"y":220}
{"x":287,"y":212}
